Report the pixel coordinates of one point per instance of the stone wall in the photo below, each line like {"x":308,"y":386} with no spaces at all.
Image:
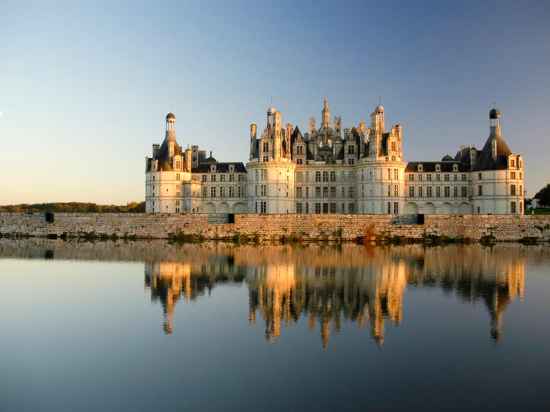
{"x":277,"y":227}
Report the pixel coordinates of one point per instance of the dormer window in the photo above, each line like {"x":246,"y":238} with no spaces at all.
{"x":512,"y":163}
{"x":420,"y":168}
{"x":231,"y":168}
{"x":438,"y":168}
{"x":212,"y":168}
{"x":455,"y":168}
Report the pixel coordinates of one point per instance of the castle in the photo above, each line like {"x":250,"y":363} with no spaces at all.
{"x":329,"y":169}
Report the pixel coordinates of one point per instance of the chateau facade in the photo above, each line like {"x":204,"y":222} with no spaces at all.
{"x":329,"y":169}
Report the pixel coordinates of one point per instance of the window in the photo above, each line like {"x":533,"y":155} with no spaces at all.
{"x":389,"y":208}
{"x":333,"y":208}
{"x":325,"y":176}
{"x":333,"y":192}
{"x":325,"y":208}
{"x":333,"y":176}
{"x":438,"y":168}
{"x":512,"y":190}
{"x":222,"y":191}
{"x":396,"y":190}
{"x":411,"y":191}
{"x":389,"y":190}
{"x":317,"y":176}
{"x":479,"y":176}
{"x":231,"y":177}
{"x":212,"y":177}
{"x":438,"y":191}
{"x":389,"y":174}
{"x":300,"y":149}
{"x":213,"y":192}
{"x":480,"y":190}
{"x":513,"y":207}
{"x":429,"y":191}
{"x":447,"y":191}
{"x":464,"y":191}
{"x":429,"y":177}
{"x":420,"y":191}
{"x":266,"y":146}
{"x":231,"y":191}
{"x":263,"y":190}
{"x":396,"y":174}
{"x":317,"y":192}
{"x":177,"y":176}
{"x":351,"y":208}
{"x":263,"y":206}
{"x":351,"y":161}
{"x":299,"y":192}
{"x":299,"y":208}
{"x":512,"y":175}
{"x":446,"y":177}
{"x":204,"y":178}
{"x":351,"y":150}
{"x":420,"y":168}
{"x":204,"y":192}
{"x":325,"y":192}
{"x":222,"y":178}
{"x":455,"y":191}
{"x":512,"y":163}
{"x":307,"y":192}
{"x":317,"y":208}
{"x":395,"y":208}
{"x":239,"y":192}
{"x":299,"y":161}
{"x":351,"y":191}
{"x":411,"y":177}
{"x":463,"y":177}
{"x":438,"y":177}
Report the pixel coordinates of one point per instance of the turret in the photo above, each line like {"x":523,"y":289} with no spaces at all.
{"x":171,"y":126}
{"x":253,"y":134}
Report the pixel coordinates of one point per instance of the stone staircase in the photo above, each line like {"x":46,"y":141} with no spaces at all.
{"x":218,"y":218}
{"x":406,"y":220}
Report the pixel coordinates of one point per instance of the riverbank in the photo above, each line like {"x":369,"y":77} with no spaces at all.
{"x":256,"y":228}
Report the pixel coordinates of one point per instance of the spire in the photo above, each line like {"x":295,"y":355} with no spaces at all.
{"x":326,"y":114}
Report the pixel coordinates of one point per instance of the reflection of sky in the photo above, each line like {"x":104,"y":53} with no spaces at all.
{"x":81,"y":335}
{"x":85,"y":86}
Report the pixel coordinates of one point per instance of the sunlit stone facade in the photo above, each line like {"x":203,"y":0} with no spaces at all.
{"x":330,"y":169}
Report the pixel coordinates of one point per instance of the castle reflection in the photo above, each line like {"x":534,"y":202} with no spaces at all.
{"x":327,"y":286}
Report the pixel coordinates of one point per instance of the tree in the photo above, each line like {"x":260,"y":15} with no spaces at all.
{"x":543,"y":196}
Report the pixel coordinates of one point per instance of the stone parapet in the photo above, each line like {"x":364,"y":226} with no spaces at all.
{"x":289,"y":227}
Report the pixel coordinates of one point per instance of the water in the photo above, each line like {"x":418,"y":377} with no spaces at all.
{"x":148,"y":326}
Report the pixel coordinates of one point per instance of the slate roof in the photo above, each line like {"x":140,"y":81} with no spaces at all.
{"x":485,"y":161}
{"x":221,"y":167}
{"x":429,"y":167}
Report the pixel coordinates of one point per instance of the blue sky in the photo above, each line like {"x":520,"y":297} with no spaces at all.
{"x":84,"y":87}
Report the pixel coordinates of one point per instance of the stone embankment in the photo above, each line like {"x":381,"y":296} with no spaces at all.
{"x":284,"y":227}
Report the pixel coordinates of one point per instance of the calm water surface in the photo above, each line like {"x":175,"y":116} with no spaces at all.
{"x":148,"y":326}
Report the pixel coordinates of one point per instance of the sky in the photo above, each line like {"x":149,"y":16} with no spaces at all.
{"x":85,"y":86}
